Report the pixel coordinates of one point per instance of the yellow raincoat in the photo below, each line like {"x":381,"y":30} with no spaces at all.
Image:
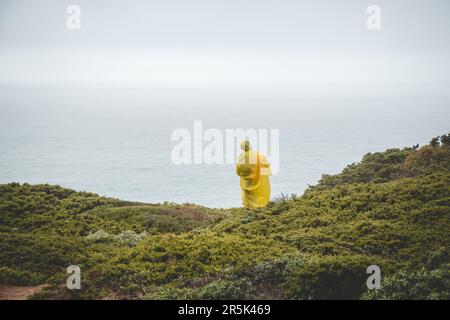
{"x":254,"y":170}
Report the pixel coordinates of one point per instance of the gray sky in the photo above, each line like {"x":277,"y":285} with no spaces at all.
{"x":226,"y":42}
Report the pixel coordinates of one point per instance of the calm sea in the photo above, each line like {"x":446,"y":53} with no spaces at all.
{"x":116,"y":142}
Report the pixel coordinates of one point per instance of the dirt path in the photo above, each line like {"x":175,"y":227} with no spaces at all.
{"x":8,"y":292}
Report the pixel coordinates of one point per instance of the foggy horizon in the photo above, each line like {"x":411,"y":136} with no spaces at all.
{"x":290,"y":47}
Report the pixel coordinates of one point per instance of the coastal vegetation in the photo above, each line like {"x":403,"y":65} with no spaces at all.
{"x":391,"y":209}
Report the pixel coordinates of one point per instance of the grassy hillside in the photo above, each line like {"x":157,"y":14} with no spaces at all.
{"x":391,"y":209}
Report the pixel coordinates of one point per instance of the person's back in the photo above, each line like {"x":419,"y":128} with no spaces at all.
{"x":254,"y":171}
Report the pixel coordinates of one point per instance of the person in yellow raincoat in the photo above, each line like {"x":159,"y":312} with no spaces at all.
{"x":254,"y":170}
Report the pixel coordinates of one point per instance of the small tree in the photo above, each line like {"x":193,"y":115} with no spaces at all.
{"x":445,"y":140}
{"x":435,"y":142}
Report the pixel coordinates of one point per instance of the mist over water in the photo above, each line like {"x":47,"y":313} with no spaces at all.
{"x":94,"y":108}
{"x":115,"y":141}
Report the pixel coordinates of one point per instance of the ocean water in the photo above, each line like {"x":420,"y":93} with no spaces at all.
{"x":116,"y":142}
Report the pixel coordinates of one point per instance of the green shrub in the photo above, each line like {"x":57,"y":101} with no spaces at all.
{"x":414,"y":285}
{"x":225,"y":290}
{"x":329,"y":278}
{"x":99,"y":236}
{"x":129,"y":237}
{"x":19,"y":277}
